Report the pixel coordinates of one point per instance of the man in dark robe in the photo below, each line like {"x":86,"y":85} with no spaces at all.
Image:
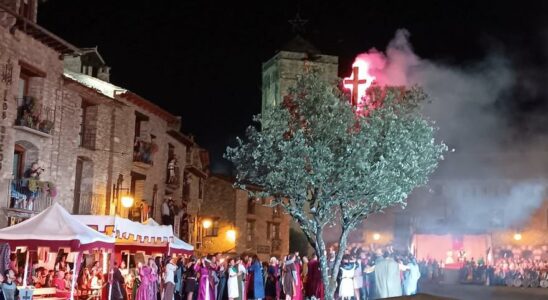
{"x":314,"y":284}
{"x":118,"y":288}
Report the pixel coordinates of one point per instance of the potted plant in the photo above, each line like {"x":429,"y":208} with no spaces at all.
{"x":46,"y":126}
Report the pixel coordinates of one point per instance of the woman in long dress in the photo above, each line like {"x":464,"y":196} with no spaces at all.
{"x":144,"y":291}
{"x":232,"y":282}
{"x":358,"y":277}
{"x":206,"y":288}
{"x":272,"y":288}
{"x":289,"y":277}
{"x":346,"y":287}
{"x":153,"y":278}
{"x":242,"y":272}
{"x":298,"y":282}
{"x":257,"y":282}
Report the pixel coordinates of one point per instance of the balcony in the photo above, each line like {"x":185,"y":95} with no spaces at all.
{"x":142,"y":151}
{"x":35,"y":116}
{"x":173,"y":176}
{"x":29,"y":196}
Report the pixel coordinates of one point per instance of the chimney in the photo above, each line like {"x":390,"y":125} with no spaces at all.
{"x":104,"y":73}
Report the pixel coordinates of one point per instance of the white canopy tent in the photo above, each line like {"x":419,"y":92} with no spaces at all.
{"x":177,"y":245}
{"x":55,"y":228}
{"x":132,"y":235}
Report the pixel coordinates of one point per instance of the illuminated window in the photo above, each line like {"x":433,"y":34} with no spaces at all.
{"x":213,"y":230}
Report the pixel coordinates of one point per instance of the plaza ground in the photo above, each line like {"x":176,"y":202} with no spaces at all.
{"x":472,"y":292}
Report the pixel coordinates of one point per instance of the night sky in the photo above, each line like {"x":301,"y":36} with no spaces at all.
{"x":202,"y":59}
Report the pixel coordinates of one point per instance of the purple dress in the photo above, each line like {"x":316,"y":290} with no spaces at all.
{"x":144,"y":292}
{"x":206,"y":290}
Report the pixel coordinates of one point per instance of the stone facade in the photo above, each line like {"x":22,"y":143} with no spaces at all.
{"x":281,"y":71}
{"x":95,"y":141}
{"x":258,"y":227}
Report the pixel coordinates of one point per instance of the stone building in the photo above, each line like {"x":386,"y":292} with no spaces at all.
{"x":280,"y":72}
{"x":239,"y":223}
{"x":68,"y":135}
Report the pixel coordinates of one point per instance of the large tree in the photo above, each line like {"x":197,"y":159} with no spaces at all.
{"x":326,"y":164}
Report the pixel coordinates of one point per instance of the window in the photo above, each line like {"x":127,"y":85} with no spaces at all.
{"x":139,"y":126}
{"x":213,"y":230}
{"x":272,"y":230}
{"x":250,"y":231}
{"x":170,"y":151}
{"x":87,"y":133}
{"x":276,"y":230}
{"x":251,"y":205}
{"x":23,"y":90}
{"x":18,"y":161}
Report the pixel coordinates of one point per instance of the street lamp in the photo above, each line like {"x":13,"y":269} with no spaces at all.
{"x":127,"y":201}
{"x":206,"y":223}
{"x":517,"y":236}
{"x":231,"y":235}
{"x":376,"y":236}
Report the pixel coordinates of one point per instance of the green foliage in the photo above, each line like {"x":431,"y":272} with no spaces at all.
{"x":314,"y":152}
{"x":325,"y":164}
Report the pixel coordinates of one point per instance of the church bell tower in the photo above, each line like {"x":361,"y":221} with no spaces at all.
{"x":281,"y":71}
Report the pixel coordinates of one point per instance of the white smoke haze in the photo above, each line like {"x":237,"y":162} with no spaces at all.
{"x":464,"y":104}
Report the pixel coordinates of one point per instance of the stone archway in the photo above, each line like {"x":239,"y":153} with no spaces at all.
{"x":84,"y":199}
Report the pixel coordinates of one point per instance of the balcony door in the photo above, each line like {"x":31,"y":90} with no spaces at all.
{"x":18,"y":161}
{"x":84,"y":199}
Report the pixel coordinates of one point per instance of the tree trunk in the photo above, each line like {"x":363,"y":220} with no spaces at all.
{"x":329,"y":277}
{"x":324,"y":268}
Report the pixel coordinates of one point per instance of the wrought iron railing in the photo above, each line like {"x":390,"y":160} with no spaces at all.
{"x":34,"y":115}
{"x":142,"y":151}
{"x":30,"y":195}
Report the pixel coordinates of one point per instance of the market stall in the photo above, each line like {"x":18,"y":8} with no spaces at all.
{"x":52,"y":230}
{"x":177,"y":246}
{"x":150,"y":238}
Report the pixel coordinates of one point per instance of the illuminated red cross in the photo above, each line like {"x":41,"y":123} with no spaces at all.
{"x":353,"y":83}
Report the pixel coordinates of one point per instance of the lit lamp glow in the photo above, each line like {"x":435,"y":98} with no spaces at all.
{"x":517,"y":236}
{"x":231,"y":235}
{"x":127,"y":201}
{"x":206,"y":223}
{"x":376,"y":236}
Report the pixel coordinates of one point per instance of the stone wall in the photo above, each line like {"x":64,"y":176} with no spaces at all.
{"x":19,"y":51}
{"x":230,"y":206}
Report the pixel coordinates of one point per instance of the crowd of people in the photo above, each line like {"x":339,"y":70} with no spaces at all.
{"x":363,"y":275}
{"x":89,"y":282}
{"x":511,"y":271}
